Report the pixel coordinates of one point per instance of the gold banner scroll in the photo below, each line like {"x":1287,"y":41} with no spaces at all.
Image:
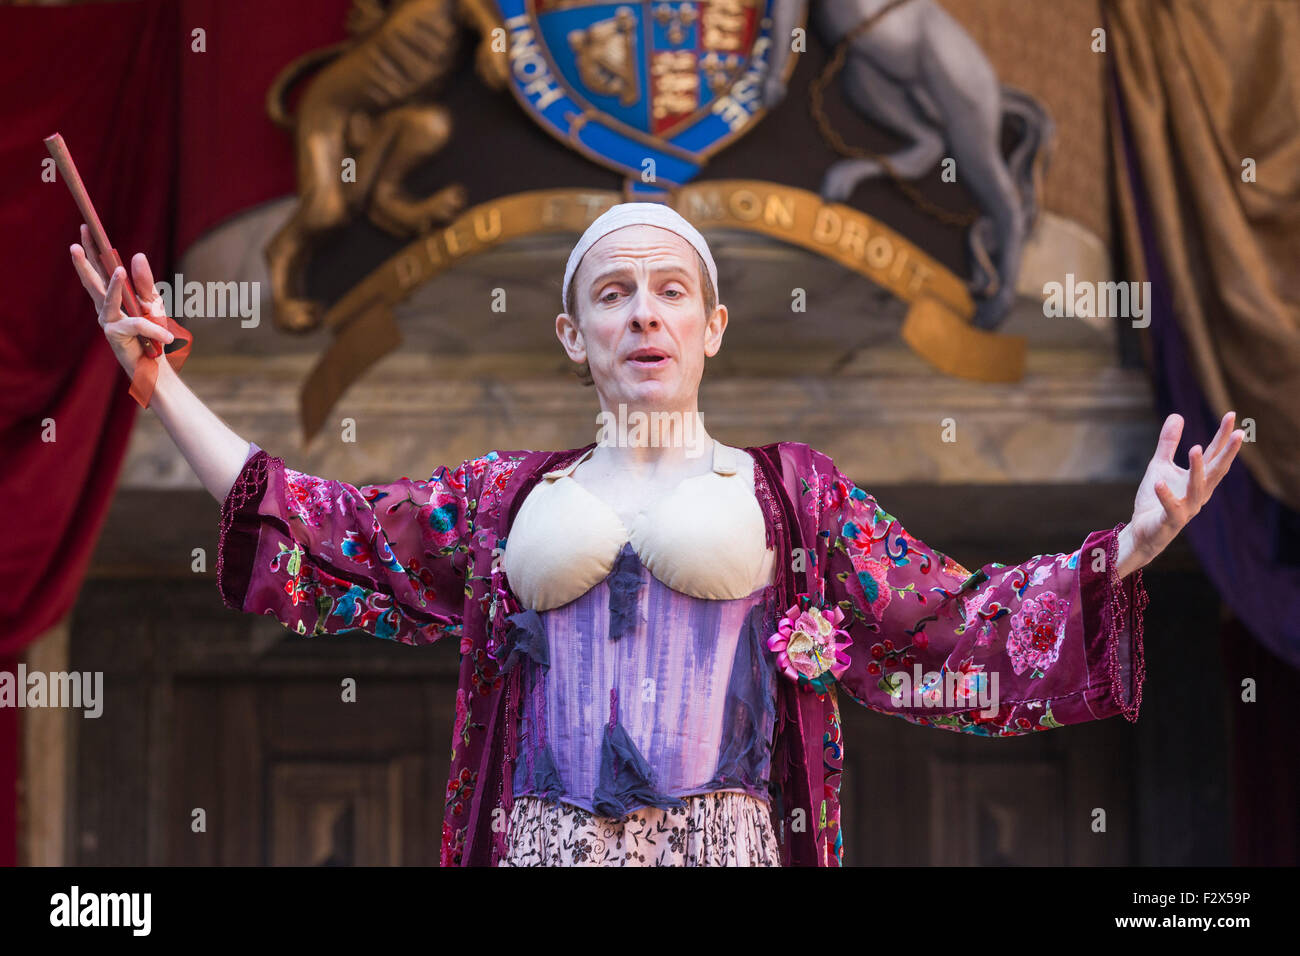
{"x":937,"y":325}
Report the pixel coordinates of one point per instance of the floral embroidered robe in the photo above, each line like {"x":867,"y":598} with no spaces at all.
{"x":419,"y":560}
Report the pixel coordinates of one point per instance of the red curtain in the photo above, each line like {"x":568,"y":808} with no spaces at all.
{"x":170,"y":140}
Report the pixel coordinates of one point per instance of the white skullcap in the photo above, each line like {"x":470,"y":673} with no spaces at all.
{"x":637,"y":214}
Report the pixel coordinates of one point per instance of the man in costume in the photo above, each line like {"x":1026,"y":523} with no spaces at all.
{"x":854,"y":606}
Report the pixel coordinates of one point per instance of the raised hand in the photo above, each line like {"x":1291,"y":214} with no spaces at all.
{"x":123,"y":332}
{"x":1170,"y":496}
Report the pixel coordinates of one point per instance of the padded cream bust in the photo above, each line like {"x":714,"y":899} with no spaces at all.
{"x":705,"y":538}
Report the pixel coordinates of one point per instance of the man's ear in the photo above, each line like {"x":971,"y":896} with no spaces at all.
{"x":570,"y":336}
{"x":713,"y":330}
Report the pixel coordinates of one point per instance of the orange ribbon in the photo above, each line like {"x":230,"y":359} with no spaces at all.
{"x":176,"y":352}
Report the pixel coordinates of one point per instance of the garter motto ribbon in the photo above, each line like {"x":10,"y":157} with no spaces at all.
{"x":177,"y":350}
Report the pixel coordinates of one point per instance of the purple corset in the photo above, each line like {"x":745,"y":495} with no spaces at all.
{"x":636,"y":695}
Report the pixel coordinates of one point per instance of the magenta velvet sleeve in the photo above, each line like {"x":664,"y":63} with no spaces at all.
{"x":1006,"y":650}
{"x":325,"y":557}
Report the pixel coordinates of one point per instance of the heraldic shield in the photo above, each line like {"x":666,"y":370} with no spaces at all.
{"x":625,"y":82}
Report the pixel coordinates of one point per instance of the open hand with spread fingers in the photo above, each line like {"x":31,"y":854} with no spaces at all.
{"x":1170,"y":496}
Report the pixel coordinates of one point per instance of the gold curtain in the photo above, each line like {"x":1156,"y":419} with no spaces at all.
{"x":1207,"y":86}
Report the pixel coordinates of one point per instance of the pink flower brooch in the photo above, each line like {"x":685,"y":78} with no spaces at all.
{"x":810,"y":646}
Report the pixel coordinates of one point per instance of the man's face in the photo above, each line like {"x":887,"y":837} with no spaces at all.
{"x":641,"y":325}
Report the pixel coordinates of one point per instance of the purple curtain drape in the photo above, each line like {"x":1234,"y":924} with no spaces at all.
{"x":1247,"y":541}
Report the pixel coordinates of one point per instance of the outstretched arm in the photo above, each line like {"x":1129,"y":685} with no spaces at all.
{"x":325,"y":557}
{"x":321,"y":556}
{"x":1006,"y":650}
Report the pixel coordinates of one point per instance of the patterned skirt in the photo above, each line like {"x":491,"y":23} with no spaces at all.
{"x":723,"y":828}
